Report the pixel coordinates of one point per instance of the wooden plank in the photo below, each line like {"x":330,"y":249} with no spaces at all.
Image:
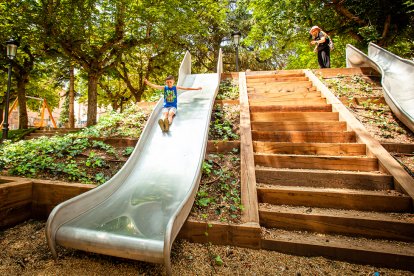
{"x":340,"y":249}
{"x":216,"y":146}
{"x":247,"y":176}
{"x":402,"y":180}
{"x":294,"y":116}
{"x":399,"y":147}
{"x":292,"y":108}
{"x":277,"y":90}
{"x":328,"y":179}
{"x":229,"y":75}
{"x":268,"y":84}
{"x":244,"y":235}
{"x":15,"y":202}
{"x":278,"y":78}
{"x":305,"y":136}
{"x":285,"y":95}
{"x":274,"y":74}
{"x":335,"y":198}
{"x":48,"y":194}
{"x":335,"y":72}
{"x":287,"y":101}
{"x":337,"y":223}
{"x":343,"y":163}
{"x":226,"y":102}
{"x":333,"y":149}
{"x":204,"y":232}
{"x":299,"y":126}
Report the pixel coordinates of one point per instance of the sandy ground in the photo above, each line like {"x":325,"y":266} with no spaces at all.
{"x":24,"y":252}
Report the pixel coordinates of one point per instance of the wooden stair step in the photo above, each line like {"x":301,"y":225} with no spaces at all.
{"x":284,"y":95}
{"x":379,"y":201}
{"x":281,"y":86}
{"x":324,"y":178}
{"x":341,"y":163}
{"x":382,"y":253}
{"x":281,"y":89}
{"x":294,"y":116}
{"x":279,"y":78}
{"x":292,"y":108}
{"x":299,"y":126}
{"x":305,"y":136}
{"x":288,"y":101}
{"x":334,"y":221}
{"x":274,"y":74}
{"x":332,"y":149}
{"x":277,"y":82}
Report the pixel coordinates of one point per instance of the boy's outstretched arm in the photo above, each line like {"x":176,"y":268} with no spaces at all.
{"x":147,"y":82}
{"x":189,"y":88}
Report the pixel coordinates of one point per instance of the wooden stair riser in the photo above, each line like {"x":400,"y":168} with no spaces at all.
{"x":277,"y":83}
{"x":341,"y":251}
{"x":292,"y":108}
{"x":294,"y":116}
{"x":371,"y":228}
{"x":299,"y":126}
{"x":290,"y":73}
{"x":323,"y":198}
{"x":279,"y":79}
{"x":310,"y":101}
{"x":285,"y":95}
{"x":283,"y":90}
{"x":330,"y":149}
{"x":304,"y":136}
{"x":347,"y":180}
{"x":345,"y":163}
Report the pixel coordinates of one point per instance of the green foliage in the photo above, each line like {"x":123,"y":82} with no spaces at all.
{"x":218,"y":260}
{"x":127,"y":151}
{"x":207,"y":166}
{"x":219,"y":191}
{"x":228,"y":90}
{"x":130,"y":123}
{"x":221,"y":126}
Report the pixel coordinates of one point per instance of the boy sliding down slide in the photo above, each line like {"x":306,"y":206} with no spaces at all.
{"x":170,"y":101}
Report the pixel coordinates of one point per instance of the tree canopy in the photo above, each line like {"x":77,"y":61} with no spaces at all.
{"x":115,"y":44}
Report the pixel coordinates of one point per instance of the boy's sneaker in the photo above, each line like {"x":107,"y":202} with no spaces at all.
{"x":166,"y":124}
{"x":161,"y":123}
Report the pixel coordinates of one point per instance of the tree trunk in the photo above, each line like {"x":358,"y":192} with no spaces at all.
{"x":21,"y":94}
{"x":71,"y":97}
{"x":1,"y":112}
{"x":93,"y":78}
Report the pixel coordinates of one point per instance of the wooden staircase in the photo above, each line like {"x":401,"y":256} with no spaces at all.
{"x":314,"y":174}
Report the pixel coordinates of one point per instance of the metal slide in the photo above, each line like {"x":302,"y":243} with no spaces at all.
{"x":397,"y":78}
{"x":138,"y":213}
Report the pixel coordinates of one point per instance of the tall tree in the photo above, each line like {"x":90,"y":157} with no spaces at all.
{"x":17,"y":18}
{"x":94,"y":33}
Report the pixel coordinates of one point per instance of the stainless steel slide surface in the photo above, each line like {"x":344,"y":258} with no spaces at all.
{"x":139,"y":212}
{"x":397,"y":78}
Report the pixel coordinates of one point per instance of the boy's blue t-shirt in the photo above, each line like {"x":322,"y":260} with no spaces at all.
{"x":170,"y":96}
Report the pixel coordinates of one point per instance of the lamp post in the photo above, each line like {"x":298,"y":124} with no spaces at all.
{"x":11,"y":53}
{"x":236,"y":40}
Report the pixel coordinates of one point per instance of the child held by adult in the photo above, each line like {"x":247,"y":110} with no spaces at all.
{"x":169,"y":109}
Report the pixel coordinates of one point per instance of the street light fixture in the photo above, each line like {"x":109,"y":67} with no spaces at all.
{"x":236,"y":40}
{"x":11,"y":54}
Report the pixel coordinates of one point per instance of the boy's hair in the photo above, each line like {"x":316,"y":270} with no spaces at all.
{"x":169,"y":78}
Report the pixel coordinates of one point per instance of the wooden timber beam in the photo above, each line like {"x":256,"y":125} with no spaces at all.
{"x":250,"y":213}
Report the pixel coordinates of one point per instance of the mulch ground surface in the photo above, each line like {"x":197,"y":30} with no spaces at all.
{"x":24,"y":251}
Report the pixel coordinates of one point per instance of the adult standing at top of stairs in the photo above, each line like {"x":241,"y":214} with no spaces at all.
{"x":321,"y":42}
